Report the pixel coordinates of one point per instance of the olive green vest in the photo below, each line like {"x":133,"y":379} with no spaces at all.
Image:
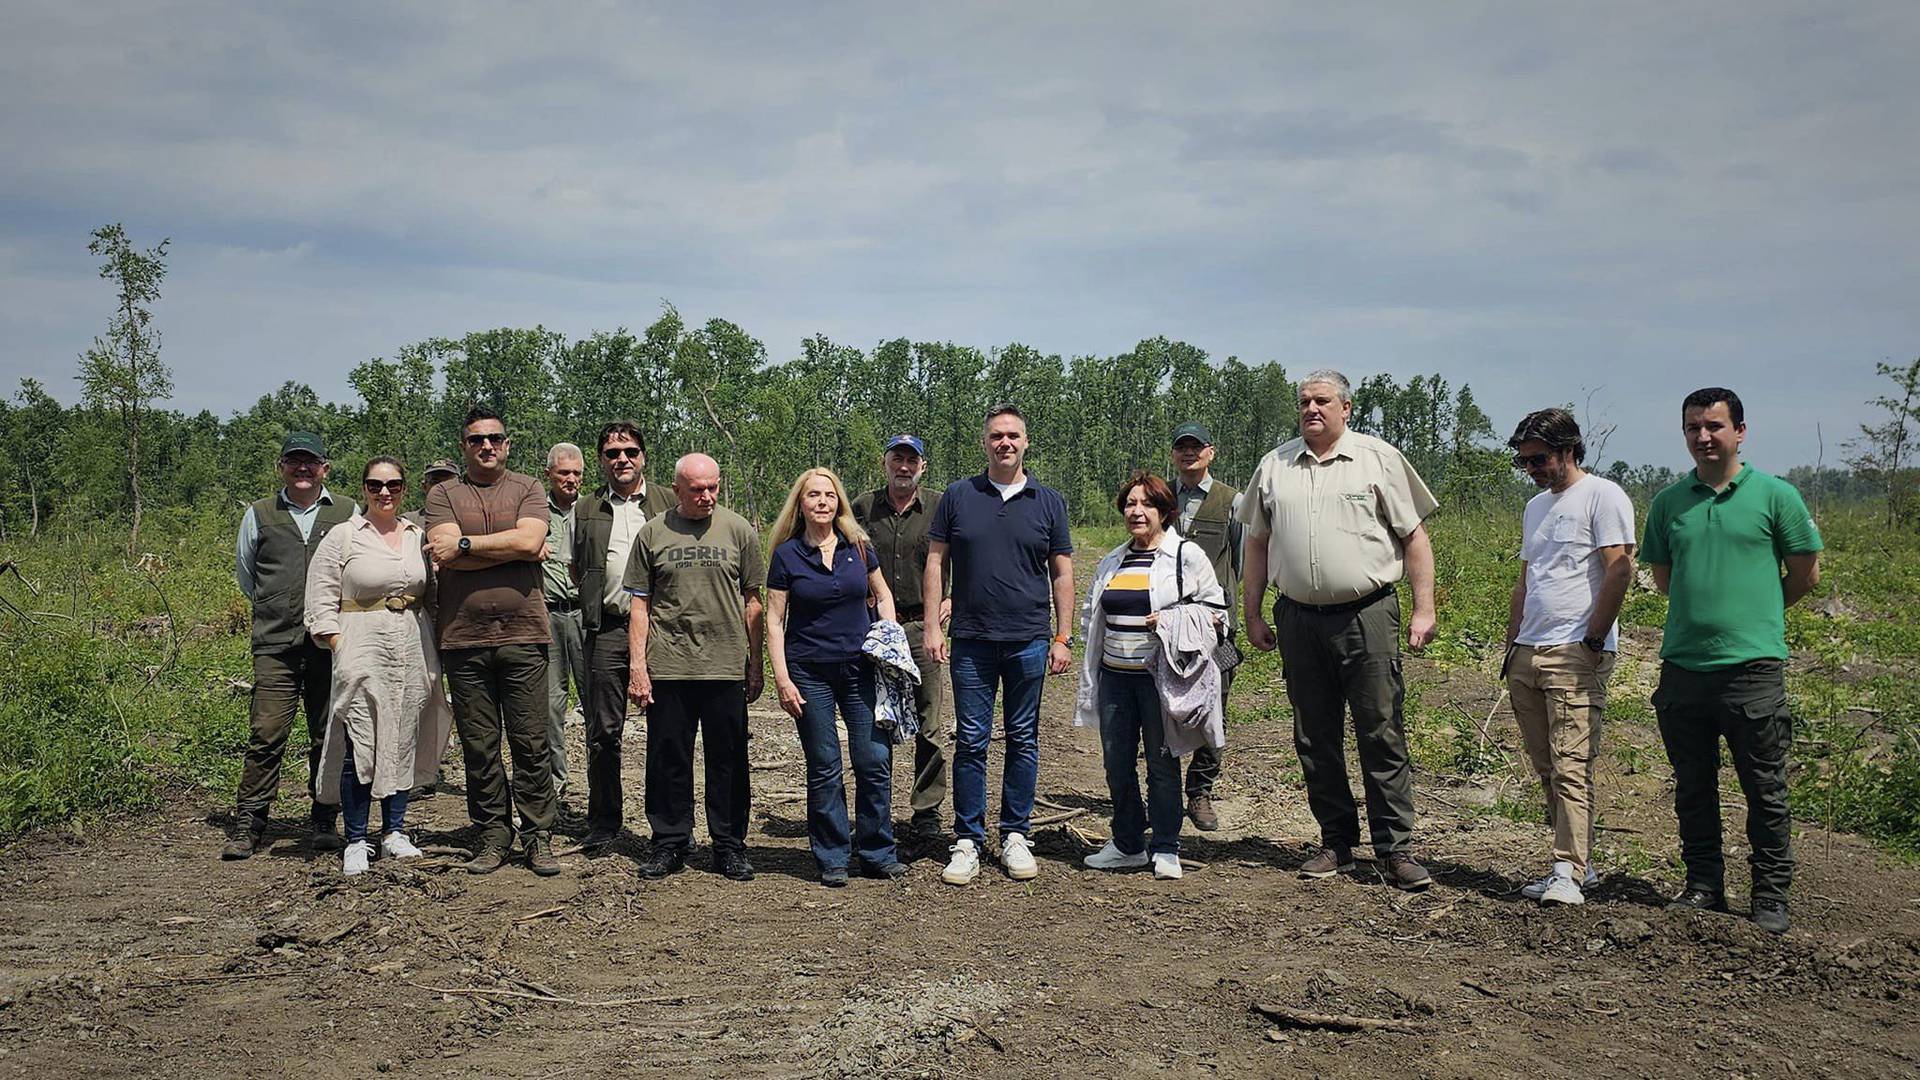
{"x":280,"y":570}
{"x":1211,"y":528}
{"x":592,"y":532}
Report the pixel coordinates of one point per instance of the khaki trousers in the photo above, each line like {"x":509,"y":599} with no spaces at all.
{"x":1559,"y":693}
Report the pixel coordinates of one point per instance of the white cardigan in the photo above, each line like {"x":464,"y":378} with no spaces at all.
{"x":1162,"y":592}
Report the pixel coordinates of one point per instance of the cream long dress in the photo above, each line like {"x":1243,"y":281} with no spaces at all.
{"x":386,"y":671}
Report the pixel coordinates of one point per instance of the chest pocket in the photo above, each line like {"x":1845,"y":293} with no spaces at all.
{"x":1353,"y":512}
{"x":1566,"y":529}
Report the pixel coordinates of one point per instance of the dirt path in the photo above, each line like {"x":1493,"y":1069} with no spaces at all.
{"x":135,"y":952}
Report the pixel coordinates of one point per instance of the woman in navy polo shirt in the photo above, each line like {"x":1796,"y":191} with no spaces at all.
{"x":822,"y":576}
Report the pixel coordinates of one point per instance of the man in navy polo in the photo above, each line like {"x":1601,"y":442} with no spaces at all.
{"x":1012,"y":561}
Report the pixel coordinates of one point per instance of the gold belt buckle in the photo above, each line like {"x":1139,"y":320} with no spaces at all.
{"x":397,"y":603}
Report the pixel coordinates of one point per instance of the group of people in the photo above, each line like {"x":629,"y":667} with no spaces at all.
{"x":862,"y":607}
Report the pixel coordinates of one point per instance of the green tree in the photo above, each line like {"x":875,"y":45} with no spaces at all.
{"x":123,"y":373}
{"x":1882,"y":450}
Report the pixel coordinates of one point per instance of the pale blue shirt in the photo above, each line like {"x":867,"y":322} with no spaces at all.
{"x":248,"y":543}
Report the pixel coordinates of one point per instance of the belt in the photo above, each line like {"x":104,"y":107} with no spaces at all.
{"x":909,"y":614}
{"x":563,"y":606}
{"x":1375,"y":596}
{"x":385,"y":603}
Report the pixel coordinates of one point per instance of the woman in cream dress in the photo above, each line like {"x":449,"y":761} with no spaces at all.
{"x":367,"y":601}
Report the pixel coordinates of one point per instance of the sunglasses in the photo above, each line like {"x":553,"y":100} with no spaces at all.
{"x":1531,"y":461}
{"x":302,"y":462}
{"x":491,"y":438}
{"x":393,"y":487}
{"x":615,"y":452}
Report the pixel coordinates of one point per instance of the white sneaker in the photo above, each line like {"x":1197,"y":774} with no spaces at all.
{"x":964,"y":865}
{"x":1166,"y":866}
{"x":396,"y":845}
{"x":353,"y":861}
{"x":1017,"y":856}
{"x":1562,"y":890}
{"x":1536,"y":890}
{"x":1112,"y":858}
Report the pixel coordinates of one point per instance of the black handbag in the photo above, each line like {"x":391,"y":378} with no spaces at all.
{"x":1226,"y":654}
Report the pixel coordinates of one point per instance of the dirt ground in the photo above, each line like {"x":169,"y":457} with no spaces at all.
{"x":133,"y":951}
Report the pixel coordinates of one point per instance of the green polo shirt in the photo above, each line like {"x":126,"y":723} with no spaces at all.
{"x":1724,"y":604}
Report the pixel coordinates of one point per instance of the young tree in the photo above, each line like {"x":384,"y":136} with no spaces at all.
{"x":1882,"y":450}
{"x":123,"y":373}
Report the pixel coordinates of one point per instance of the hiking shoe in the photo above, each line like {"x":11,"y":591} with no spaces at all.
{"x":540,"y":858}
{"x":1534,"y":890}
{"x":834,"y":877}
{"x":892,"y":871}
{"x":1200,"y":809}
{"x":964,"y":865}
{"x":323,"y":837}
{"x":1166,"y":866}
{"x":1328,"y":862}
{"x":1402,"y":872}
{"x":1112,"y":858}
{"x":1770,"y":915}
{"x":248,"y":837}
{"x":395,"y":845}
{"x":662,"y":861}
{"x":732,"y":864}
{"x":353,"y":860}
{"x":1698,"y":900}
{"x":1017,"y":856}
{"x":485,"y":861}
{"x":598,"y":838}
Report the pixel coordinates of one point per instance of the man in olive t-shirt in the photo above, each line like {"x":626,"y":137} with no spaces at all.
{"x":694,"y":639}
{"x":487,"y":533}
{"x":1715,"y":541}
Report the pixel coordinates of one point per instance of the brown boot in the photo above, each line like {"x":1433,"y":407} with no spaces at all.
{"x":540,"y":858}
{"x":1402,"y":872}
{"x":1200,"y":809}
{"x":248,"y":837}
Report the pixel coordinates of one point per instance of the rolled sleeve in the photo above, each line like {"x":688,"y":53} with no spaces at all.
{"x":246,"y":548}
{"x":324,"y":576}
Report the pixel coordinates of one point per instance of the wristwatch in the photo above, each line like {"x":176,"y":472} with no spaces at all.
{"x":466,"y":545}
{"x":1595,"y":644}
{"x":1063,"y":639}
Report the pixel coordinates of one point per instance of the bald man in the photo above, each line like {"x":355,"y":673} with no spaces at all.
{"x":694,"y":638}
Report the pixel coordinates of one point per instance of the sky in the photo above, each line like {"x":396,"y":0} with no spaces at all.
{"x":1608,"y":205}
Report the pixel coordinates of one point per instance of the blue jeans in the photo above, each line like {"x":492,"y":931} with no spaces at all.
{"x":356,"y":801}
{"x":979,"y":669}
{"x":1130,"y":714}
{"x":849,"y":686}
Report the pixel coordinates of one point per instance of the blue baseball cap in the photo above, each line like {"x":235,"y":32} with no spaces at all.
{"x":907,"y":440}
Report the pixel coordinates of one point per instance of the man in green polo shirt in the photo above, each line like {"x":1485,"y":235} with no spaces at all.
{"x":1716,"y":540}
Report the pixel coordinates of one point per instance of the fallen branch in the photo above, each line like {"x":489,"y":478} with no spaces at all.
{"x":1333,"y":1021}
{"x":759,"y":766}
{"x":543,"y":913}
{"x":550,"y":999}
{"x":1055,"y":819}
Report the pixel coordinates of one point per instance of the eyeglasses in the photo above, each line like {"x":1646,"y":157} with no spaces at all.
{"x":393,"y":487}
{"x":614,"y":453}
{"x":1531,"y":461}
{"x":302,"y":462}
{"x":494,"y":438}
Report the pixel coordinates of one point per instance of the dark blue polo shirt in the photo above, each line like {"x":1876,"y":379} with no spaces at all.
{"x":999,"y":549}
{"x":827,"y":616}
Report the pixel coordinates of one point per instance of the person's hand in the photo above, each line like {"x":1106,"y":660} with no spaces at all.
{"x":756,"y":683}
{"x":1153,"y":621}
{"x":1420,"y":630}
{"x":935,"y":643}
{"x":1259,"y":634}
{"x":546,"y":552}
{"x":328,"y":641}
{"x":790,"y":698}
{"x":946,"y":612}
{"x":640,"y":687}
{"x":1059,"y":658}
{"x":444,"y":548}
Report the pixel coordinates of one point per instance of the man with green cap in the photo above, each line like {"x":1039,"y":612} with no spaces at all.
{"x":278,"y":535}
{"x":1209,"y":516}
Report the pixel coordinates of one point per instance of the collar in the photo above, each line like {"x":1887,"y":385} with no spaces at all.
{"x":555,"y":507}
{"x":839,"y":539}
{"x":639,"y":495}
{"x":326,"y":498}
{"x":983,"y":481}
{"x":1738,"y":479}
{"x":362,"y":521}
{"x":1205,"y":484}
{"x":884,"y":498}
{"x":1337,"y":450}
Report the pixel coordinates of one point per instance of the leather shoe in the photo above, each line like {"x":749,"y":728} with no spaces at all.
{"x":662,"y":861}
{"x":540,"y":858}
{"x":598,"y":838}
{"x":1699,"y":900}
{"x":733,"y":865}
{"x":1402,"y":872}
{"x":1200,"y":809}
{"x":1771,"y":915}
{"x":486,"y":860}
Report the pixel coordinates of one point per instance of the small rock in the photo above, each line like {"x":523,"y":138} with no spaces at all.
{"x":1276,"y":1035}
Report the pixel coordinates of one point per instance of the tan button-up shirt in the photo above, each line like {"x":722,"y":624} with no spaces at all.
{"x":1336,"y":526}
{"x":629,"y":514}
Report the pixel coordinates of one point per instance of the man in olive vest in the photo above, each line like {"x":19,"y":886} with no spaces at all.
{"x":277,"y":538}
{"x":1209,"y":516}
{"x":604,"y":525}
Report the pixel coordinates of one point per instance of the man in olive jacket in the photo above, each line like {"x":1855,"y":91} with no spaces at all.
{"x":604,"y":525}
{"x":277,"y":539}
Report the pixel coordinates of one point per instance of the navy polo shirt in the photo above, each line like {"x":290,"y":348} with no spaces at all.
{"x":1002,"y":590}
{"x":827,"y":616}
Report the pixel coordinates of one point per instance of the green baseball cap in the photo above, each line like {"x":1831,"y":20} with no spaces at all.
{"x":1193,"y":429}
{"x":303,"y":442}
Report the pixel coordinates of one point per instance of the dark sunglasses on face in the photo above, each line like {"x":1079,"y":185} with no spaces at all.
{"x":392,"y":486}
{"x":495,"y":438}
{"x":612,"y":453}
{"x":1531,"y":461}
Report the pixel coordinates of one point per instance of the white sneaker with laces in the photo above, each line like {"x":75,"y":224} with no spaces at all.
{"x":1166,"y":866}
{"x":353,"y":861}
{"x":1535,"y":890}
{"x":964,"y":865}
{"x":1017,"y":856}
{"x":1112,"y":858}
{"x":1562,"y":890}
{"x":396,"y":845}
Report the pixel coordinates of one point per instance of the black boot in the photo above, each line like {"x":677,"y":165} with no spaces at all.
{"x":248,"y":836}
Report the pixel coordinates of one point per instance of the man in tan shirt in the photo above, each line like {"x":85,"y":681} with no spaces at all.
{"x":1337,"y":516}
